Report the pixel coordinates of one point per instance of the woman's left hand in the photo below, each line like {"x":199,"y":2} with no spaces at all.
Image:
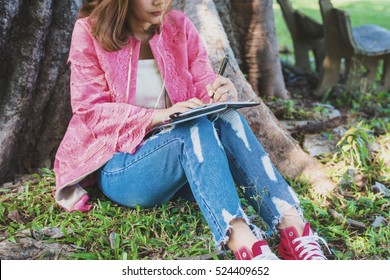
{"x":222,"y":90}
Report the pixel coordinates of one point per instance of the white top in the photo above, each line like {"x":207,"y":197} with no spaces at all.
{"x":150,"y":86}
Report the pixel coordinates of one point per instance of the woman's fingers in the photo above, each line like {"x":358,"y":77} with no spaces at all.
{"x":210,"y":91}
{"x":222,"y":90}
{"x":187,"y":105}
{"x":191,"y":103}
{"x":219,"y":82}
{"x":226,"y":93}
{"x":222,"y":93}
{"x":196,"y":101}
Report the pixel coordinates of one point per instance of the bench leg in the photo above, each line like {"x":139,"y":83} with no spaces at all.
{"x":349,"y":71}
{"x":361,"y":73}
{"x":301,"y":53}
{"x":318,"y":52}
{"x":352,"y":74}
{"x":329,"y":75}
{"x":371,"y":64}
{"x":385,"y":82}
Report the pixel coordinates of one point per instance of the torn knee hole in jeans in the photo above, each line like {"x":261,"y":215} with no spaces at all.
{"x":287,"y":210}
{"x":217,"y":137}
{"x":195,"y":138}
{"x":284,"y":208}
{"x":235,"y":121}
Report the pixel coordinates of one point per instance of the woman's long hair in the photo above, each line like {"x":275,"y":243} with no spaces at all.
{"x":109,"y":22}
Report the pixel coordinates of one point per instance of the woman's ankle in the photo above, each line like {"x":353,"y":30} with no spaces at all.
{"x":240,"y":235}
{"x":292,"y":218}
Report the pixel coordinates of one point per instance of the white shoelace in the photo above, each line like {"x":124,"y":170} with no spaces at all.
{"x":311,"y":246}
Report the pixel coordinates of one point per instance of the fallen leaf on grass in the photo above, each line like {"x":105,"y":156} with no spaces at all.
{"x":15,"y":216}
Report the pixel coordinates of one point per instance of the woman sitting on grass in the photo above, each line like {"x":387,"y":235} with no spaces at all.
{"x":133,"y":64}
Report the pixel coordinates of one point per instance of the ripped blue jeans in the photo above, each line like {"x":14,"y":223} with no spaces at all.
{"x":212,"y":157}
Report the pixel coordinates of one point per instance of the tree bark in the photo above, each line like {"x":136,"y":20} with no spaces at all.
{"x":250,"y":26}
{"x":34,"y":83}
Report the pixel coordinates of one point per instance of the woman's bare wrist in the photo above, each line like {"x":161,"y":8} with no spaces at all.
{"x":159,"y":117}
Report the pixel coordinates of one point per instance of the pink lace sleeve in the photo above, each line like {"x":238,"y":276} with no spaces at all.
{"x":121,"y":124}
{"x":199,"y":63}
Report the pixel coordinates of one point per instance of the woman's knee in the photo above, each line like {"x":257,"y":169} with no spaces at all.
{"x":197,"y":128}
{"x":233,"y":118}
{"x":203,"y":123}
{"x":201,"y":138}
{"x":232,"y":126}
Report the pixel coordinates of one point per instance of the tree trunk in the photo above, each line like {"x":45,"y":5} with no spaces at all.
{"x":250,"y":26}
{"x":34,"y":84}
{"x":34,"y":81}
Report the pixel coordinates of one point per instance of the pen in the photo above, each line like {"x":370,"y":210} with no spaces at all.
{"x":221,"y":69}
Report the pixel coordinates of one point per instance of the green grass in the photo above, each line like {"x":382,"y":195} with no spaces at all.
{"x":108,"y":231}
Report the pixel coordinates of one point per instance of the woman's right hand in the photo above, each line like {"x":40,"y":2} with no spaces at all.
{"x":180,"y":107}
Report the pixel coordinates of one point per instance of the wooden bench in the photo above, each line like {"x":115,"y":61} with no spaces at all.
{"x":365,"y":46}
{"x":307,"y":35}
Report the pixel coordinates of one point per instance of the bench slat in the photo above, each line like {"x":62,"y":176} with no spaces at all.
{"x":372,"y":39}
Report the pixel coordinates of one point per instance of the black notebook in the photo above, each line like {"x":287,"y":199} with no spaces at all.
{"x":205,"y":110}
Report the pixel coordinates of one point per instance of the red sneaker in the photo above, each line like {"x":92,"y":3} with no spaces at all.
{"x":260,"y":251}
{"x":293,"y":247}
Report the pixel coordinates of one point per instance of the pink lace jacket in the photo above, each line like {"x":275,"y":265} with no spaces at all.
{"x":104,"y":120}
